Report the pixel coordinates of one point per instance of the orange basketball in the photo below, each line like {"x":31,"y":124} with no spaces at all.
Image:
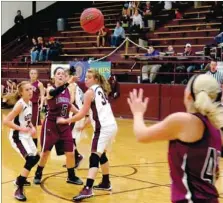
{"x":92,"y":20}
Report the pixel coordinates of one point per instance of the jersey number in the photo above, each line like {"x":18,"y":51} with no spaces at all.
{"x":104,"y":100}
{"x":64,"y":110}
{"x":209,"y":169}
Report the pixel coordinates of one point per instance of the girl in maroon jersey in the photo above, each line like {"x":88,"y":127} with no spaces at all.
{"x":58,"y":100}
{"x":37,"y":100}
{"x":195,"y":139}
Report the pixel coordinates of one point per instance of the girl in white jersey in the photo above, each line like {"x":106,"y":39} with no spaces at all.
{"x":105,"y":128}
{"x":19,"y":120}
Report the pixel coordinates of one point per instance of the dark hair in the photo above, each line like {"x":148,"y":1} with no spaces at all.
{"x":19,"y":11}
{"x":56,"y":69}
{"x":214,"y":60}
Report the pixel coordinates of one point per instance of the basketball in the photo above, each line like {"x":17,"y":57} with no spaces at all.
{"x":91,"y":20}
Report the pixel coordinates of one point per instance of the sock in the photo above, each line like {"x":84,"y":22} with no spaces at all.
{"x":90,"y":183}
{"x":21,"y":180}
{"x":71,"y":173}
{"x":74,"y":141}
{"x":105,"y":178}
{"x":35,"y":140}
{"x":39,"y":169}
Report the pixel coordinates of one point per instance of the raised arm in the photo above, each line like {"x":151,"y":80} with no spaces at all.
{"x":42,"y":92}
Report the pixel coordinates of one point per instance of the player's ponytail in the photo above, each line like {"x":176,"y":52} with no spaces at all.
{"x":101,"y":81}
{"x":205,"y":92}
{"x":204,"y":105}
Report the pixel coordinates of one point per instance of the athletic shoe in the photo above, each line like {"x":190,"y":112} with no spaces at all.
{"x":103,"y":186}
{"x":75,"y":181}
{"x":26,"y":183}
{"x":37,"y":179}
{"x":19,"y":194}
{"x":78,"y":161}
{"x":86,"y":192}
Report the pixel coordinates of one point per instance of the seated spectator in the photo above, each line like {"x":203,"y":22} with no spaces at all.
{"x":167,"y":5}
{"x":43,"y":49}
{"x":103,"y":35}
{"x":178,"y":14}
{"x":170,"y":51}
{"x":118,"y":35}
{"x":11,"y":95}
{"x":133,"y":6}
{"x":137,"y":23}
{"x":34,"y":52}
{"x":125,"y":19}
{"x":147,"y":13}
{"x":53,"y":49}
{"x":153,"y":69}
{"x":115,"y":89}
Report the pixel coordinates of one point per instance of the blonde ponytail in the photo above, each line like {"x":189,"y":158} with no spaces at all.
{"x":204,"y":105}
{"x":104,"y":84}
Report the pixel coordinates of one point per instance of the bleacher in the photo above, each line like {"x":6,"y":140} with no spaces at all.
{"x":78,"y":44}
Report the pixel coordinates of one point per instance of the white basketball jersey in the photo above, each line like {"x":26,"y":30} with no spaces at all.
{"x":79,"y":96}
{"x":24,"y":118}
{"x":101,"y":114}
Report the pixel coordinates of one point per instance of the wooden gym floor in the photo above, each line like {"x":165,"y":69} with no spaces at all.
{"x":139,"y":172}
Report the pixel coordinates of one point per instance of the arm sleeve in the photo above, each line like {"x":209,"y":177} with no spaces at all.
{"x":58,"y":90}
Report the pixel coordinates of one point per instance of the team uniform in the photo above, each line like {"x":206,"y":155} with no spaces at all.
{"x":194,"y":167}
{"x":35,"y":101}
{"x":23,"y":142}
{"x":78,"y":103}
{"x":51,"y":132}
{"x":102,"y":120}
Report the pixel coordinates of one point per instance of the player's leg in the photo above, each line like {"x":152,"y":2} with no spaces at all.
{"x":69,"y":153}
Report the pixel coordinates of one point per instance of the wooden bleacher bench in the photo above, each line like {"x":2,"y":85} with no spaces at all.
{"x":111,"y":6}
{"x":114,"y":14}
{"x":75,"y":22}
{"x":196,"y":12}
{"x":103,"y":11}
{"x":191,"y":25}
{"x":76,"y":37}
{"x":83,"y":42}
{"x":188,"y":19}
{"x":205,"y":6}
{"x":88,"y":48}
{"x":179,"y":38}
{"x":83,"y":55}
{"x":108,"y":25}
{"x":185,"y":31}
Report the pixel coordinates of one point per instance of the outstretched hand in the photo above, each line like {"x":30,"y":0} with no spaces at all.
{"x":136,"y":102}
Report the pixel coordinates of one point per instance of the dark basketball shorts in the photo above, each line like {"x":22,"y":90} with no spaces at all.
{"x":199,"y":201}
{"x":52,"y":134}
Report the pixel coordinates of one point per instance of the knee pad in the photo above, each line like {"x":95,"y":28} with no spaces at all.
{"x":94,"y":160}
{"x":103,"y":159}
{"x":31,"y":161}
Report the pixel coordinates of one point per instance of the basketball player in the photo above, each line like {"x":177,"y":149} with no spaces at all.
{"x":76,"y":95}
{"x":37,"y":100}
{"x":105,"y":128}
{"x":58,"y":100}
{"x":194,"y":139}
{"x":19,"y":120}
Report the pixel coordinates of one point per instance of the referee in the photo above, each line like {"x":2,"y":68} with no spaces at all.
{"x":216,"y":73}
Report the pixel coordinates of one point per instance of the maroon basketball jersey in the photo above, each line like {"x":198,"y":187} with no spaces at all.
{"x":193,"y":166}
{"x":59,"y":106}
{"x":36,"y":92}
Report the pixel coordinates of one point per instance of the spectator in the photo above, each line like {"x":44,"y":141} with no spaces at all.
{"x":170,"y":51}
{"x":118,"y":35}
{"x":137,"y":22}
{"x":53,"y":49}
{"x":42,"y":49}
{"x":125,"y":19}
{"x":167,"y":5}
{"x":133,"y":6}
{"x":153,"y":69}
{"x":215,"y":72}
{"x":34,"y":52}
{"x":178,"y":14}
{"x":19,"y":23}
{"x":103,"y":35}
{"x":115,"y":89}
{"x":147,"y":13}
